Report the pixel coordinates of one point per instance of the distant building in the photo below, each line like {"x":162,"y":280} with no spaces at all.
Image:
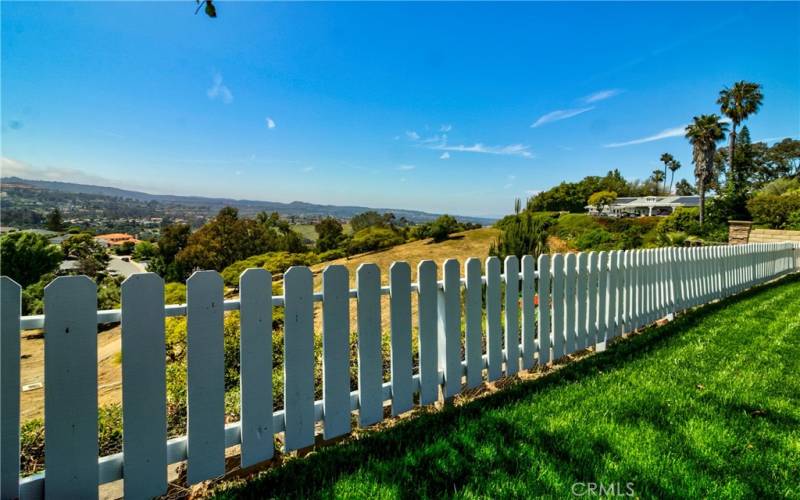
{"x":115,"y":239}
{"x":645,"y":206}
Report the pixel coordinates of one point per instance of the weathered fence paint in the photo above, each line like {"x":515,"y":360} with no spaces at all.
{"x":568,"y":303}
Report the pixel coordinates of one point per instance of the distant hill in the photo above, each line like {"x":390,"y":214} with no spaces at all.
{"x":295,"y":208}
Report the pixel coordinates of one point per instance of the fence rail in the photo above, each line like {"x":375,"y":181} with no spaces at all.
{"x":535,"y":312}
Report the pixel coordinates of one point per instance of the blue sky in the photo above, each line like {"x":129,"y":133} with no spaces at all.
{"x":446,"y":107}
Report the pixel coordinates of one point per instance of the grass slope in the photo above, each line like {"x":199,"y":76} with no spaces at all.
{"x":461,"y":246}
{"x":706,"y":406}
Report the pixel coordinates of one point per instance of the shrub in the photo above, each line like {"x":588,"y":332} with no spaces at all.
{"x":373,"y":238}
{"x":332,"y":255}
{"x":774,"y":211}
{"x":109,"y":428}
{"x":525,"y":234}
{"x":443,"y":227}
{"x":175,"y":293}
{"x":275,"y":262}
{"x":26,"y":256}
{"x":596,"y":239}
{"x":144,"y":250}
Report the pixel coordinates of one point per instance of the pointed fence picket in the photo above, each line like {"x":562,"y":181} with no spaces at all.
{"x":536,"y":313}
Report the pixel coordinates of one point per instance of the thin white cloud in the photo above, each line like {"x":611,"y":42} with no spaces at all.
{"x":307,"y":169}
{"x":600,"y":95}
{"x":510,"y":150}
{"x":532,"y":192}
{"x":560,"y":114}
{"x":446,"y":128}
{"x":270,"y":123}
{"x":218,"y":90}
{"x":508,"y":186}
{"x":439,"y":143}
{"x":406,"y":167}
{"x":664,"y":134}
{"x":679,"y":131}
{"x":445,"y":156}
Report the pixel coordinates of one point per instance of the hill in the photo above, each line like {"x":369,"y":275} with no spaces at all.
{"x":212,"y":205}
{"x":461,"y":246}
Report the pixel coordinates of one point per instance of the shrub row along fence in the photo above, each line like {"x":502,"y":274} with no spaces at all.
{"x":535,"y":312}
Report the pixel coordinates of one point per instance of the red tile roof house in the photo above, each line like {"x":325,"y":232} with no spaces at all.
{"x":115,"y":239}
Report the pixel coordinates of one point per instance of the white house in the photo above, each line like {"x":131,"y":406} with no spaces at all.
{"x":645,"y":205}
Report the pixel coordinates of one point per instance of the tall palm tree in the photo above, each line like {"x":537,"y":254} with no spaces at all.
{"x":673,"y":166}
{"x":703,"y":133}
{"x":658,"y":177}
{"x":737,"y":103}
{"x":666,"y":159}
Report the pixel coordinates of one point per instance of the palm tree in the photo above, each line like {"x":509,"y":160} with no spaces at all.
{"x":673,"y":166}
{"x":703,"y":133}
{"x":737,"y":103}
{"x":658,"y":177}
{"x":666,"y":159}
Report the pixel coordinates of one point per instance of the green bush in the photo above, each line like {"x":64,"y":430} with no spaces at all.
{"x":525,"y":234}
{"x":337,"y":253}
{"x":596,"y":239}
{"x":275,"y":262}
{"x":774,"y":211}
{"x":373,"y":238}
{"x":109,"y":438}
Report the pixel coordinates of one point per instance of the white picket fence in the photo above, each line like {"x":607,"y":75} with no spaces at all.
{"x":593,"y":297}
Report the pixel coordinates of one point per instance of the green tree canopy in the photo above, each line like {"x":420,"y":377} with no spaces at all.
{"x":602,"y":199}
{"x":330,"y":234}
{"x":26,"y":256}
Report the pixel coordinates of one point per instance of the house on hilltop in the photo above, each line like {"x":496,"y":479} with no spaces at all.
{"x":115,"y":239}
{"x":644,"y":206}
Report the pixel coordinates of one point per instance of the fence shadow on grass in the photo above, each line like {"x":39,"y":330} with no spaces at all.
{"x":451,"y":442}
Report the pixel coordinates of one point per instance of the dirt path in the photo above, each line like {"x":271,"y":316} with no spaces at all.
{"x":109,"y":372}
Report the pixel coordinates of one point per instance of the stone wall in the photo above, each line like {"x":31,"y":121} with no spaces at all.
{"x":739,"y":232}
{"x":773,"y":236}
{"x":742,"y":232}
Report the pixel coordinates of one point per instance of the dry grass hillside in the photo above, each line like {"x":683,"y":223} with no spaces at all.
{"x":461,"y":246}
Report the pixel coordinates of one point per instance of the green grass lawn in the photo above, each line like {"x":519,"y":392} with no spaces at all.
{"x":706,"y":406}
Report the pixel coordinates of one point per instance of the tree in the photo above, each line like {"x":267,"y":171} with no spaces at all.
{"x":91,"y":255}
{"x":210,"y":9}
{"x":443,"y":227}
{"x":738,"y":103}
{"x":703,"y":133}
{"x":658,"y":177}
{"x":329,"y":234}
{"x":523,"y":234}
{"x":222,"y":241}
{"x":54,"y":221}
{"x":25,"y":257}
{"x":673,"y":166}
{"x":602,"y":199}
{"x":684,"y":188}
{"x":144,"y":250}
{"x":667,"y":159}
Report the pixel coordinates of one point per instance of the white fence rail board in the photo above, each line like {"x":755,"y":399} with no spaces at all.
{"x":298,"y":359}
{"x":205,"y":376}
{"x":336,"y":351}
{"x":255,"y":355}
{"x":427,"y":317}
{"x":494,"y":348}
{"x":473,"y":314}
{"x":144,"y":386}
{"x":583,"y":300}
{"x":11,"y":297}
{"x":511,"y":309}
{"x":401,"y":361}
{"x":370,"y":363}
{"x":70,"y":392}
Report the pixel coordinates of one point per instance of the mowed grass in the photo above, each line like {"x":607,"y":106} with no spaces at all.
{"x":706,"y":406}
